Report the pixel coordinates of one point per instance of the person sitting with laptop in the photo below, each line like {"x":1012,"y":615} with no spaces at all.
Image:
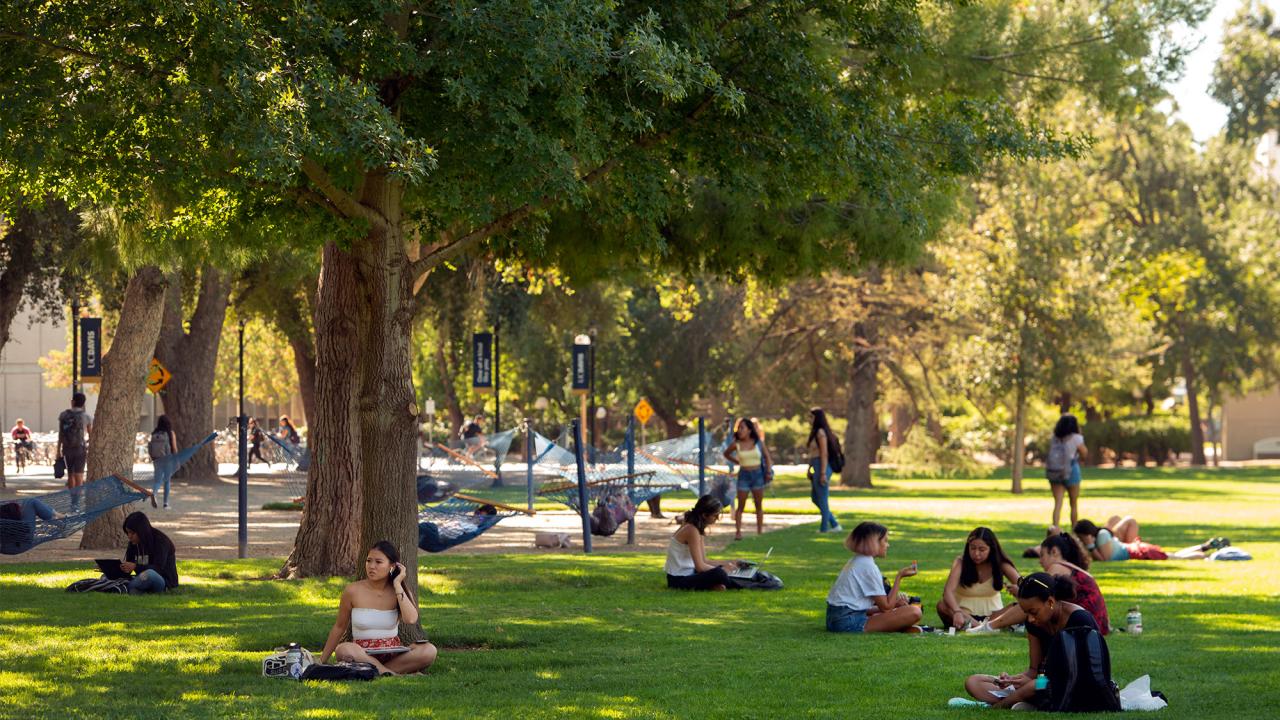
{"x":150,"y":557}
{"x":687,"y":565}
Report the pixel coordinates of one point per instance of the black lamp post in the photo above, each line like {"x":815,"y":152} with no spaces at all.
{"x":242,"y":422}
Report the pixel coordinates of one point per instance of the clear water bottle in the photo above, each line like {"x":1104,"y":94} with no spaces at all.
{"x":1133,"y":621}
{"x":293,"y":658}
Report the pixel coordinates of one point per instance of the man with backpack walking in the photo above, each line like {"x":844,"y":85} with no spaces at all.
{"x":74,"y":426}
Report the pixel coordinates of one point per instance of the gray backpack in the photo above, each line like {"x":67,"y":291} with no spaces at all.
{"x":1057,"y":467}
{"x":159,"y":445}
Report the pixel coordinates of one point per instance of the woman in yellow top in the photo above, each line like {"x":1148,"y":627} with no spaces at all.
{"x":755,"y":470}
{"x":972,"y":592}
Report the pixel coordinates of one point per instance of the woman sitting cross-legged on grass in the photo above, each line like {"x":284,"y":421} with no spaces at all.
{"x":1119,"y":541}
{"x":373,"y":609}
{"x":150,"y":556}
{"x":972,"y":592}
{"x":1045,"y":600}
{"x":857,"y":601}
{"x":687,"y":565}
{"x":1062,"y":557}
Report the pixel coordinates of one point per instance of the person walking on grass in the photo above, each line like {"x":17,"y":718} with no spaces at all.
{"x":858,"y":601}
{"x":1062,"y":466}
{"x":826,"y":460}
{"x":755,"y":470}
{"x":372,"y":609}
{"x":74,"y":427}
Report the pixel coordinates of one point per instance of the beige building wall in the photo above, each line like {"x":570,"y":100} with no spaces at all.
{"x":22,"y":390}
{"x":1248,"y":419}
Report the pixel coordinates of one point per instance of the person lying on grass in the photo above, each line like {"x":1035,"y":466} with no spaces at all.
{"x":687,"y":565}
{"x":858,"y":601}
{"x":972,"y":592}
{"x":373,"y":609}
{"x":1119,"y":541}
{"x":1046,"y":601}
{"x":1062,"y":557}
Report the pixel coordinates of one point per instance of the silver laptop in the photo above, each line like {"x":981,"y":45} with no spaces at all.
{"x":748,"y":570}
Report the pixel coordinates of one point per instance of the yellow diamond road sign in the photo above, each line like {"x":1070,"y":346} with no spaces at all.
{"x":644,"y":411}
{"x":158,"y":376}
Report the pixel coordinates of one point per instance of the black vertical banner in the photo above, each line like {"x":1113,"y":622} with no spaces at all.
{"x":90,"y":348}
{"x":482,"y":361}
{"x":581,"y":367}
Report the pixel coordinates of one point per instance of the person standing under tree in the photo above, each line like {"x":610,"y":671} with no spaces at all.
{"x":74,"y":427}
{"x":1062,"y":466}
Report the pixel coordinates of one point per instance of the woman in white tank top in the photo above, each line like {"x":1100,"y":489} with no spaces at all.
{"x":372,"y":609}
{"x":687,"y":565}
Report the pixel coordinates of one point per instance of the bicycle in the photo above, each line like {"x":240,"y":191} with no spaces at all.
{"x":23,"y":454}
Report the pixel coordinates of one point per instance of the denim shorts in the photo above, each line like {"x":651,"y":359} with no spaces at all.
{"x":841,"y":618}
{"x":1073,"y":479}
{"x":752,"y":479}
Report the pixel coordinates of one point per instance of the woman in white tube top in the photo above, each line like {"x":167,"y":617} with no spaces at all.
{"x":373,"y":609}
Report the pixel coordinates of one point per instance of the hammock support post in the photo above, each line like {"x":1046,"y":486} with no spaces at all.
{"x":702,"y":456}
{"x":582,"y":487}
{"x":631,"y":473}
{"x":528,"y":457}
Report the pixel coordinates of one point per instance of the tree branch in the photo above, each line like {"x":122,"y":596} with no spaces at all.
{"x":53,"y":49}
{"x":450,"y":248}
{"x":342,"y":200}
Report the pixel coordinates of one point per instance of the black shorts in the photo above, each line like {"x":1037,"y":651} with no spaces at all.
{"x":75,"y":459}
{"x":705,"y":580}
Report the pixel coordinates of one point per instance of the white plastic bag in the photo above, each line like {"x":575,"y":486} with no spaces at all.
{"x":1137,"y":696}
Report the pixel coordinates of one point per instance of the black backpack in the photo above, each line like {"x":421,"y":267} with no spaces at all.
{"x":71,"y":430}
{"x":1078,"y":668}
{"x":103,"y":585}
{"x":341,"y":671}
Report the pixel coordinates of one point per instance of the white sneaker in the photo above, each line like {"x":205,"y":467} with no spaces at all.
{"x":166,"y":506}
{"x":1023,"y":706}
{"x":983,"y":628}
{"x":837,"y":528}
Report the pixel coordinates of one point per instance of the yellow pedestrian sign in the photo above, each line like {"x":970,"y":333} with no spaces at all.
{"x":644,"y":411}
{"x":158,"y":376}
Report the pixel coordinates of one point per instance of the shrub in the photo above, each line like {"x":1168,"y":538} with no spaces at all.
{"x":922,"y":455}
{"x":1140,"y":437}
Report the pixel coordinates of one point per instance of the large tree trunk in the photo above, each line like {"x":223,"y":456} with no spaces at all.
{"x":1193,"y":407}
{"x":1019,"y":436}
{"x":290,"y":322}
{"x":124,"y":382}
{"x":19,"y":256}
{"x":328,"y":540}
{"x":456,"y":418}
{"x":862,"y":435}
{"x":191,"y":354}
{"x":388,"y":407}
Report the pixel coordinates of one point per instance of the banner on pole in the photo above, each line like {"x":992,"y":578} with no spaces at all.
{"x":91,"y":349}
{"x":482,"y":361}
{"x":581,"y":368}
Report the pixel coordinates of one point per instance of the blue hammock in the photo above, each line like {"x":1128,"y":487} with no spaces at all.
{"x":297,"y":455}
{"x":77,"y":508}
{"x":459,"y":519}
{"x":166,"y":465}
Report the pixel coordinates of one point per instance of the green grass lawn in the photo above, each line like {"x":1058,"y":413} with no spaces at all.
{"x":600,"y":636}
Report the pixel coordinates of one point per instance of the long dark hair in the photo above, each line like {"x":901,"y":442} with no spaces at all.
{"x":969,"y":568}
{"x":1042,"y":586}
{"x":149,"y":538}
{"x":697,"y":517}
{"x":1066,"y":427}
{"x":393,"y":556}
{"x":163,"y":425}
{"x":284,"y":420}
{"x":820,"y":423}
{"x":1070,"y":547}
{"x":752,"y":432}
